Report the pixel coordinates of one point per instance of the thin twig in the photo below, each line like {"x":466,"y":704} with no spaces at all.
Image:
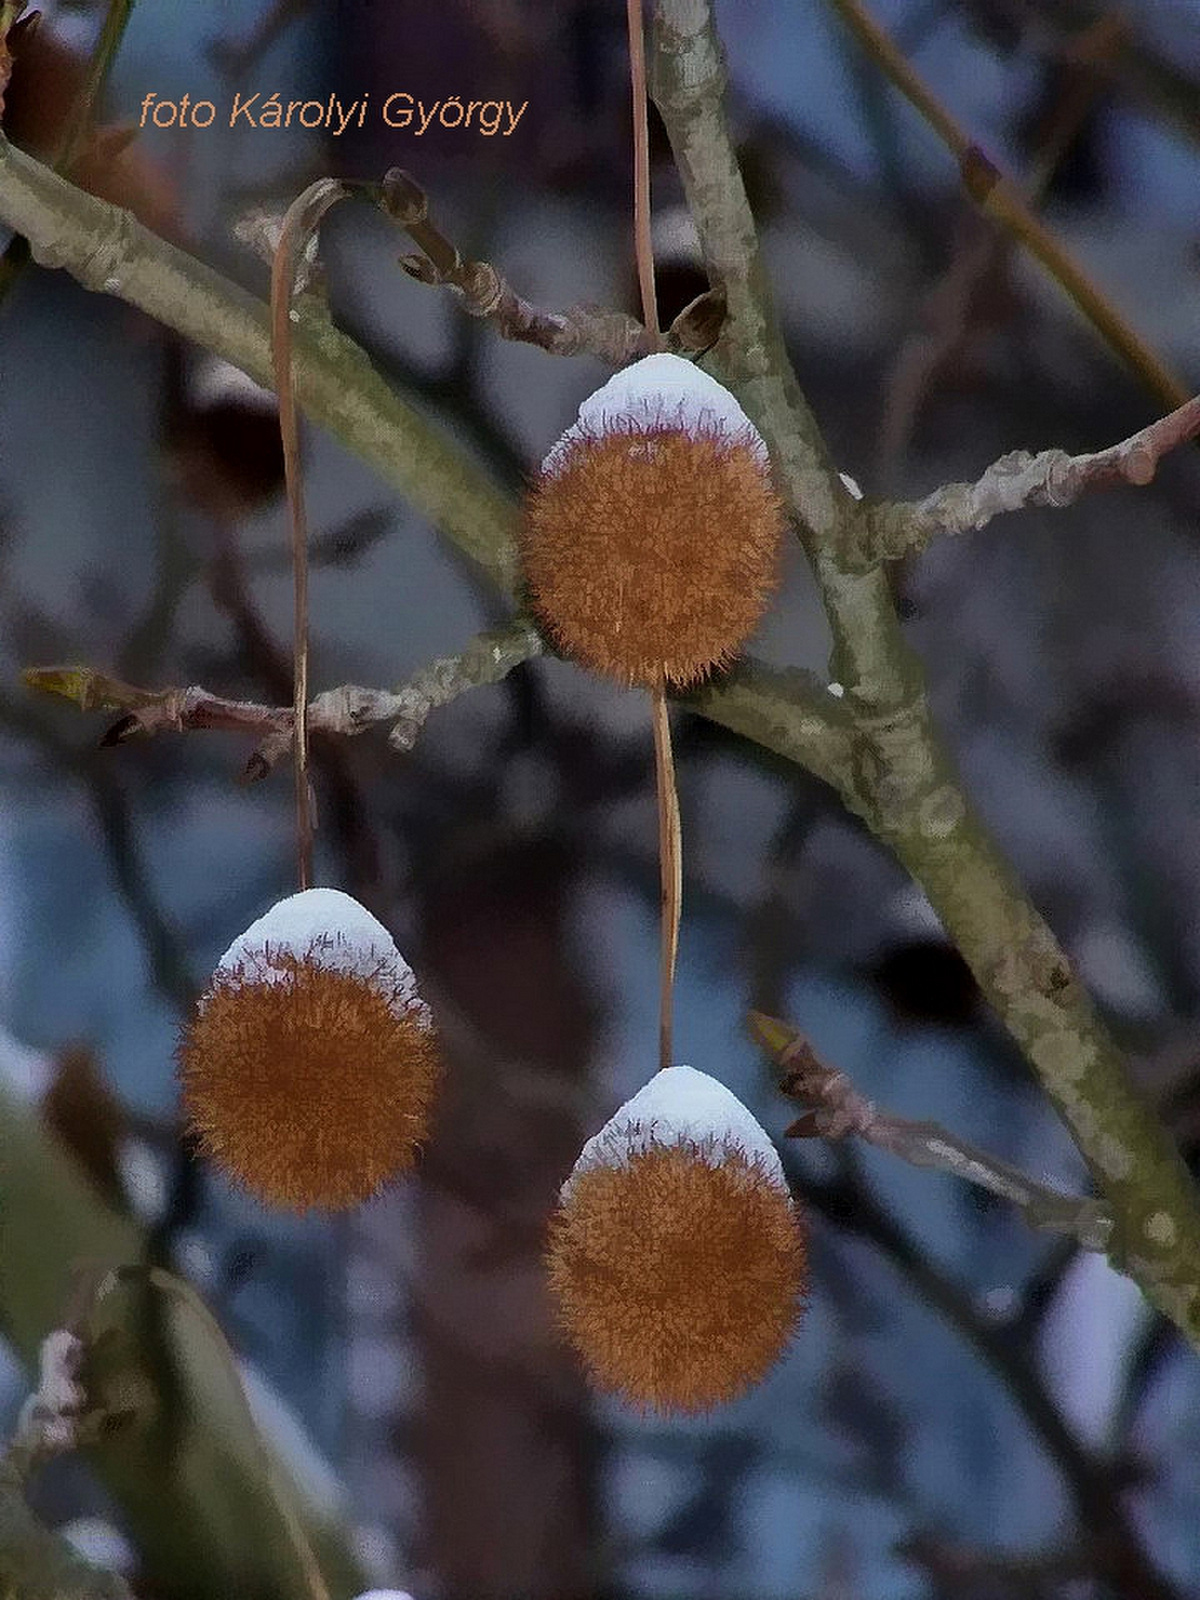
{"x":643,"y":245}
{"x":301,"y":222}
{"x":346,"y":710}
{"x":999,"y":197}
{"x":670,"y":861}
{"x":838,"y":1109}
{"x":1016,"y":480}
{"x":483,"y":291}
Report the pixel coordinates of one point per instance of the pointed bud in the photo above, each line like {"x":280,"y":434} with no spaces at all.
{"x":651,"y":538}
{"x":677,"y":1255}
{"x":310,"y":1063}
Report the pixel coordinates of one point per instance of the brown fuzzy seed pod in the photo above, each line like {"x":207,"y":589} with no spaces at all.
{"x":679,"y":1269}
{"x":310,"y":1064}
{"x":651,"y":538}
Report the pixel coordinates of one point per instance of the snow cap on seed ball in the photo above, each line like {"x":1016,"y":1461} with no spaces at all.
{"x":682,"y":1106}
{"x":677,"y":1257}
{"x":309,"y":1064}
{"x":651,"y":536}
{"x":660,"y":389}
{"x":329,"y":929}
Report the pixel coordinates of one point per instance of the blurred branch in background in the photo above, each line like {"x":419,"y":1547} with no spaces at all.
{"x":967,"y":298}
{"x":1139,"y":67}
{"x":999,"y":197}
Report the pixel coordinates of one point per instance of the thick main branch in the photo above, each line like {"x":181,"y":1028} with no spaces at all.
{"x":903,"y":779}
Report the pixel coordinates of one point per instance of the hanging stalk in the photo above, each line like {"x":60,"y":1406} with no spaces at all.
{"x":302,"y":219}
{"x":670,"y":844}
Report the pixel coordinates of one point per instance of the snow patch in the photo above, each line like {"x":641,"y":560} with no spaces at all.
{"x":680,"y":1105}
{"x":29,"y":1073}
{"x":656,"y":390}
{"x":331,"y":930}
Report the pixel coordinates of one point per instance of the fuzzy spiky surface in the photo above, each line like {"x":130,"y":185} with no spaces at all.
{"x":651,"y":544}
{"x":307,"y":1081}
{"x":679,"y":1277}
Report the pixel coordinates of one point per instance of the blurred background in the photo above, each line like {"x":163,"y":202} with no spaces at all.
{"x":971,"y":1410}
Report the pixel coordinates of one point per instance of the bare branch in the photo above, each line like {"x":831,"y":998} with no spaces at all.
{"x":487,"y":659}
{"x":1019,"y":479}
{"x":346,"y":710}
{"x":999,"y":197}
{"x":484,"y":292}
{"x":838,"y":1109}
{"x":901,"y":778}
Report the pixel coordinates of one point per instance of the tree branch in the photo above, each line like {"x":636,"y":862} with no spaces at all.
{"x":484,"y":292}
{"x":999,"y":197}
{"x":1016,"y":480}
{"x":786,"y":711}
{"x":838,"y":1109}
{"x":110,"y":252}
{"x":346,"y":710}
{"x":902,"y":780}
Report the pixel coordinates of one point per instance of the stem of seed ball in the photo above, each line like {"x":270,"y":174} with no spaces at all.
{"x":670,"y":853}
{"x":641,"y":167}
{"x":302,"y":219}
{"x":670,"y":857}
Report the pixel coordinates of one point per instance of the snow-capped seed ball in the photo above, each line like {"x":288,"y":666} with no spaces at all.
{"x":651,"y":537}
{"x":677,"y":1256}
{"x":310,"y":1063}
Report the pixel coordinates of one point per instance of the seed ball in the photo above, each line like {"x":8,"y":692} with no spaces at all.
{"x":677,"y":1257}
{"x":651,"y":537}
{"x":309,"y":1066}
